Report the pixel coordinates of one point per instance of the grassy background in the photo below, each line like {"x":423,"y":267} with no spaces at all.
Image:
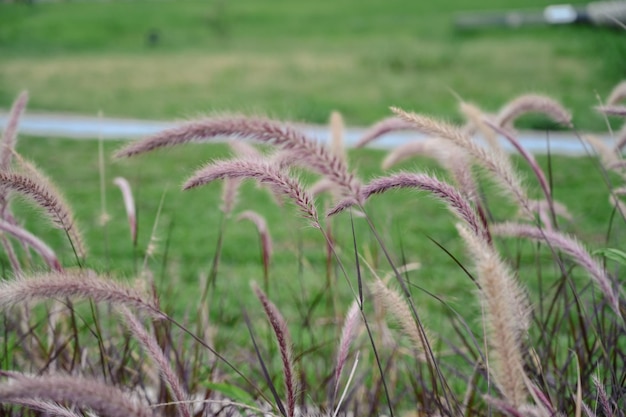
{"x":295,"y":60}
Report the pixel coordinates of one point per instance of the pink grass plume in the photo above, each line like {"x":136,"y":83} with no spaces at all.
{"x":388,"y":125}
{"x":24,"y":236}
{"x":129,"y":205}
{"x":570,"y":246}
{"x":283,"y":339}
{"x":348,"y":334}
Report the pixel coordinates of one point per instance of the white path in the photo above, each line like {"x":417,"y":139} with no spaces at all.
{"x":50,"y":125}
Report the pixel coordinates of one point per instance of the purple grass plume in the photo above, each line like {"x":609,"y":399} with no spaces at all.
{"x":39,"y":190}
{"x":530,"y":159}
{"x":261,"y":171}
{"x":476,"y":122}
{"x":264,"y":233}
{"x":348,"y":335}
{"x":388,"y":125}
{"x":617,"y":94}
{"x":283,"y":339}
{"x":152,"y":348}
{"x":440,"y":189}
{"x":450,"y":157}
{"x":570,"y":246}
{"x":129,"y":205}
{"x":396,"y":305}
{"x":504,"y":174}
{"x":27,"y":238}
{"x":619,"y":111}
{"x":73,"y":284}
{"x":88,"y":394}
{"x":506,"y":317}
{"x":313,"y":154}
{"x":533,"y":103}
{"x":9,"y":136}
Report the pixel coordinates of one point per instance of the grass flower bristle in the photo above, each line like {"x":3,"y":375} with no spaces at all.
{"x":533,"y":103}
{"x":506,"y":317}
{"x":87,"y":394}
{"x":40,"y":190}
{"x":572,"y":247}
{"x":388,"y":125}
{"x":312,"y":153}
{"x":441,"y":190}
{"x":263,"y":172}
{"x":283,"y":339}
{"x":75,"y":284}
{"x":500,"y":166}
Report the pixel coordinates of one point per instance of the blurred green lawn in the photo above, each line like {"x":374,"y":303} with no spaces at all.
{"x":295,"y":60}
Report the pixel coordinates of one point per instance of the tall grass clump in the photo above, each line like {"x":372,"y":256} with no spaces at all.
{"x":539,"y":330}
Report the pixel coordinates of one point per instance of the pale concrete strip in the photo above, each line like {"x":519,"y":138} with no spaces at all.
{"x":88,"y":127}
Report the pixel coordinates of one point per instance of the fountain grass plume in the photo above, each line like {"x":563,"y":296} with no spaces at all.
{"x":7,"y":149}
{"x":283,"y":339}
{"x":617,"y":94}
{"x":450,"y":157}
{"x":151,"y":346}
{"x":533,"y":103}
{"x":542,"y":209}
{"x":262,"y":171}
{"x":39,"y":190}
{"x":337,"y":129}
{"x":603,"y":398}
{"x":73,"y":284}
{"x":88,"y":394}
{"x":445,"y":192}
{"x":321,"y":186}
{"x":244,"y":149}
{"x":504,"y":174}
{"x":506,"y":317}
{"x":263,"y":230}
{"x":9,"y":136}
{"x":475,"y":117}
{"x":620,"y":138}
{"x":395,"y":304}
{"x":427,"y":147}
{"x":570,"y":246}
{"x":530,"y":159}
{"x":619,"y":111}
{"x":27,"y":238}
{"x":387,"y":125}
{"x":349,"y":333}
{"x":311,"y":153}
{"x":47,"y":408}
{"x":129,"y":205}
{"x":230,"y":192}
{"x":608,"y":155}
